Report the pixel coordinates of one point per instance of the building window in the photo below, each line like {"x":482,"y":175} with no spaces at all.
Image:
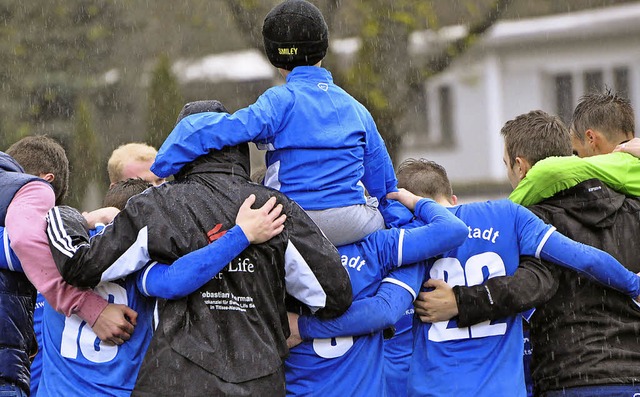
{"x":445,"y":102}
{"x":563,"y":84}
{"x":621,"y":81}
{"x":568,"y":87}
{"x":421,"y":115}
{"x":593,"y":81}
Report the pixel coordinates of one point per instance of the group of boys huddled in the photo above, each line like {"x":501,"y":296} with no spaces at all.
{"x":336,"y":275}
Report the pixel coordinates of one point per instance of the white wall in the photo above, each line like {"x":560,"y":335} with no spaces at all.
{"x":497,"y":84}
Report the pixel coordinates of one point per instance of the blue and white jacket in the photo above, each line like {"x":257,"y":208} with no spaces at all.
{"x":323,"y":147}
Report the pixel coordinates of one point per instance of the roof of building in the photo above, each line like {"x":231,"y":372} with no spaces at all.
{"x":584,"y":24}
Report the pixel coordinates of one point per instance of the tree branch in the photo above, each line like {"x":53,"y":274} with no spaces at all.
{"x":248,"y":15}
{"x":455,"y":49}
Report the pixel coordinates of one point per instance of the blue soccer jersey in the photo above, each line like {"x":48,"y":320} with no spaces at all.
{"x":303,"y":123}
{"x":71,"y":359}
{"x":397,"y":355}
{"x":77,"y":363}
{"x":484,"y":359}
{"x":353,"y":364}
{"x":36,"y":362}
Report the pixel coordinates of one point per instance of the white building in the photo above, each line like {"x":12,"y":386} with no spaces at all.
{"x":540,"y":63}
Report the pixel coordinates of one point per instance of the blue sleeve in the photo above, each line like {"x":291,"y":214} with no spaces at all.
{"x":363,"y":316}
{"x":190,"y":272}
{"x":438,"y":230}
{"x":97,"y":230}
{"x":379,"y":177}
{"x":443,"y":232}
{"x":197,"y":134}
{"x":409,"y":277}
{"x":591,"y":262}
{"x":8,"y":259}
{"x":395,"y":214}
{"x":532,"y":231}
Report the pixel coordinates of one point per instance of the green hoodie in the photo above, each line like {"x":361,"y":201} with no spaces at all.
{"x":620,"y":171}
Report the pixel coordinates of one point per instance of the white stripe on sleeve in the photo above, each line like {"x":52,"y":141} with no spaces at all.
{"x":400,"y":246}
{"x":401,"y":284}
{"x":544,"y":241}
{"x":144,"y":278}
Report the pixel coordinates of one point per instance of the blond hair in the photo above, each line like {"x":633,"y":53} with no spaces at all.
{"x":127,"y":153}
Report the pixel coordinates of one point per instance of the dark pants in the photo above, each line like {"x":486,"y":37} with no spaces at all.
{"x":596,"y":391}
{"x":11,"y":390}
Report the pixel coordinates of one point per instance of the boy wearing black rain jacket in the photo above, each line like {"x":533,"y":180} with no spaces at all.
{"x":229,"y":336}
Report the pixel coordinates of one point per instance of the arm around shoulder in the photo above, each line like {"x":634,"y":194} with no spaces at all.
{"x":547,"y":177}
{"x":594,"y":263}
{"x":532,"y":284}
{"x":26,"y":225}
{"x":442,"y":231}
{"x":365,"y":316}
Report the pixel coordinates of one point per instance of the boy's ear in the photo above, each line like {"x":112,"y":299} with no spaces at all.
{"x":594,"y":139}
{"x":522,"y":167}
{"x":49,"y":177}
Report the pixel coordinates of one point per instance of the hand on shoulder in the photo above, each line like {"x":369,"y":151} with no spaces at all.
{"x":632,"y":147}
{"x":404,"y":196}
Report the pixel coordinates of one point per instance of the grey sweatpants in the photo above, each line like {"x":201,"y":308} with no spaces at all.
{"x":346,"y":225}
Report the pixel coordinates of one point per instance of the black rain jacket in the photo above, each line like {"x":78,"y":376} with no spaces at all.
{"x":204,"y":346}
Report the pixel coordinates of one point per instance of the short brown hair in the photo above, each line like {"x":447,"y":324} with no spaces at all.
{"x":424,"y":178}
{"x":535,"y":136}
{"x":125,"y":153}
{"x":40,"y":154}
{"x":120,"y":192}
{"x":606,"y":112}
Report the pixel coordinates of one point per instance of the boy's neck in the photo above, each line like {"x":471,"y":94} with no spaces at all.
{"x":447,"y":201}
{"x":284,"y":72}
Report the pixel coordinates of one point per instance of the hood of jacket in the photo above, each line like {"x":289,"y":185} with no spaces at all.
{"x":7,"y":163}
{"x":232,"y":160}
{"x":592,"y":202}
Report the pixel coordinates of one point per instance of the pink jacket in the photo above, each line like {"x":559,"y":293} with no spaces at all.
{"x":26,"y":225}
